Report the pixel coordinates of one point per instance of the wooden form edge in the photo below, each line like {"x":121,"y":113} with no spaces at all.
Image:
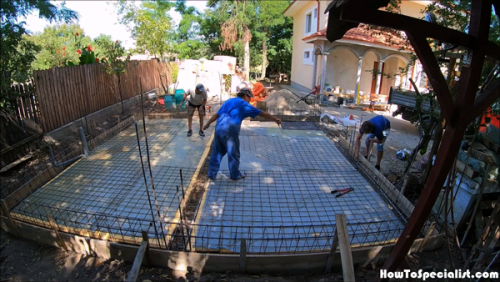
{"x":188,"y":192}
{"x":180,"y":261}
{"x":387,"y":187}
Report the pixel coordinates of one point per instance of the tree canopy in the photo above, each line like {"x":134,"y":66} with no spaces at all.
{"x":16,"y":53}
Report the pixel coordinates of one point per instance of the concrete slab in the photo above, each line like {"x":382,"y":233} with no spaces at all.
{"x":106,"y":191}
{"x":285,"y":203}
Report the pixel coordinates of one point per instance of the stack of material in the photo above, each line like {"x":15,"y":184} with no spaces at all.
{"x":285,"y":100}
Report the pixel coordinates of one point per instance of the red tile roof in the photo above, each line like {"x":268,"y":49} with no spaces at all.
{"x":362,"y":34}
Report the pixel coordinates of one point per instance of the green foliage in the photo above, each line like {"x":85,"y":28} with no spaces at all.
{"x":150,"y":25}
{"x":101,"y":44}
{"x":174,"y":72}
{"x":16,"y":52}
{"x":113,"y":52}
{"x":59,"y":45}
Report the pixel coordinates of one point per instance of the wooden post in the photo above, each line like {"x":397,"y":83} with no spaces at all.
{"x":145,"y":237}
{"x":427,"y":236}
{"x":54,"y":227}
{"x":335,"y":243}
{"x":7,"y":214}
{"x":243,"y":255}
{"x":134,"y":272}
{"x":345,"y":248}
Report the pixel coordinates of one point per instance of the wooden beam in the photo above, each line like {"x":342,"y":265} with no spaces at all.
{"x":345,"y":248}
{"x":243,"y":255}
{"x":434,"y":74}
{"x":410,"y":24}
{"x":444,"y":161}
{"x":335,"y":243}
{"x":485,"y":99}
{"x":470,"y":75}
{"x":427,"y":236}
{"x":134,"y":272}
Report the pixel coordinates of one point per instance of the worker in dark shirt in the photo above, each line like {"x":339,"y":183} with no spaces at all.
{"x":378,"y":129}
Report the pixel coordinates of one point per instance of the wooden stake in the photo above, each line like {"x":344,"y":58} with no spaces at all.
{"x":53,"y":225}
{"x":7,"y":214}
{"x":345,"y":248}
{"x":335,"y":244}
{"x":243,"y":255}
{"x":145,"y":237}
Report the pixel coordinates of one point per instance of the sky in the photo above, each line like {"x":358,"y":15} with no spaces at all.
{"x":98,"y":17}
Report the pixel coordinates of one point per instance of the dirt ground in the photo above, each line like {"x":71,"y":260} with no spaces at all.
{"x":26,"y":260}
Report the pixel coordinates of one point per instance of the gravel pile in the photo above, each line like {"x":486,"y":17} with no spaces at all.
{"x":285,"y":100}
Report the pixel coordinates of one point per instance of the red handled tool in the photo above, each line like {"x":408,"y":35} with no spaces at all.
{"x":342,"y":191}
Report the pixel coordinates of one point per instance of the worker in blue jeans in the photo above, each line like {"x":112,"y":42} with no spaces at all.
{"x":378,"y":129}
{"x":226,"y":139}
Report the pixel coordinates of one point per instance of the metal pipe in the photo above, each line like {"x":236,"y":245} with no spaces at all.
{"x":84,"y":141}
{"x":52,"y":160}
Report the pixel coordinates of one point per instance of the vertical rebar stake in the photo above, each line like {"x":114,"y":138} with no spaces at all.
{"x":146,"y":183}
{"x":149,"y":166}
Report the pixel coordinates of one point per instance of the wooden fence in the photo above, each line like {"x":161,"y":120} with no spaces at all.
{"x":69,"y":93}
{"x":20,"y":130}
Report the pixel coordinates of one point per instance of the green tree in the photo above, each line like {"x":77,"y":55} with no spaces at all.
{"x":150,"y":25}
{"x":17,"y":53}
{"x":270,"y":15}
{"x":57,"y":45}
{"x":114,"y":65}
{"x":236,"y":18}
{"x":102,"y":44}
{"x":186,"y":36}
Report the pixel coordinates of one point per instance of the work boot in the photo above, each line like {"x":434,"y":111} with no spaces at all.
{"x":377,"y":167}
{"x":190,"y":132}
{"x":201,"y":133}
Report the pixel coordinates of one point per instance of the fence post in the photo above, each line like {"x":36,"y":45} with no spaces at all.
{"x":84,"y":141}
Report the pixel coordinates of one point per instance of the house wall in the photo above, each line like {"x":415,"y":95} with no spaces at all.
{"x":341,"y":69}
{"x":412,"y":9}
{"x":391,"y":68}
{"x":301,"y":73}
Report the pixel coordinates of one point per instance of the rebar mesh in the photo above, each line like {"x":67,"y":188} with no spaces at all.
{"x":264,"y":207}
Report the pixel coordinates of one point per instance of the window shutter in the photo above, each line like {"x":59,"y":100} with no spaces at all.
{"x":315,"y":20}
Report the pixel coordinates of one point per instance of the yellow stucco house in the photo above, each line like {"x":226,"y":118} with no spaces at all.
{"x":348,"y":61}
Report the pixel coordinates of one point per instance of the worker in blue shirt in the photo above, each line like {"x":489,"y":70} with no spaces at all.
{"x":378,"y":129}
{"x":226,"y":139}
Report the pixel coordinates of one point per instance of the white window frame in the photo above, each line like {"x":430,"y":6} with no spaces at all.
{"x":308,"y":61}
{"x":314,"y":21}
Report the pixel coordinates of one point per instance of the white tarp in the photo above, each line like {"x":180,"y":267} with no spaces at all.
{"x":344,"y":121}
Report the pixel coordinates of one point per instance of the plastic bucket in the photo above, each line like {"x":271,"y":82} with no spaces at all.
{"x":169,"y":101}
{"x":179,"y":95}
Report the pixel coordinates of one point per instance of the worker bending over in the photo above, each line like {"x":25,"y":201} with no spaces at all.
{"x":378,"y":129}
{"x":226,"y":139}
{"x":197,"y":100}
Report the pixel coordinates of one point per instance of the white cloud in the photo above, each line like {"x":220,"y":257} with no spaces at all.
{"x":98,"y":17}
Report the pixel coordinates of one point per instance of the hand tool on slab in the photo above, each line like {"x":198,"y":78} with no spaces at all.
{"x":342,"y":191}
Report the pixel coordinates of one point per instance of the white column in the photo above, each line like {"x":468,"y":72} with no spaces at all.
{"x":408,"y":76}
{"x":323,"y":74}
{"x":379,"y":77}
{"x":358,"y":79}
{"x":315,"y":67}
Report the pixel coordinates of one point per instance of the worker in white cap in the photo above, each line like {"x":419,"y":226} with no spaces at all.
{"x":196,"y":101}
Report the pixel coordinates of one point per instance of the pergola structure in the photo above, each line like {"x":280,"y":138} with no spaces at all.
{"x":458,"y":112}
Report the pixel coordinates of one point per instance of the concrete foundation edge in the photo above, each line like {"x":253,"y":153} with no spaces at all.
{"x":205,"y":262}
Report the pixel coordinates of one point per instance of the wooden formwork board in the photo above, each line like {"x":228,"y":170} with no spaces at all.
{"x":180,"y":261}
